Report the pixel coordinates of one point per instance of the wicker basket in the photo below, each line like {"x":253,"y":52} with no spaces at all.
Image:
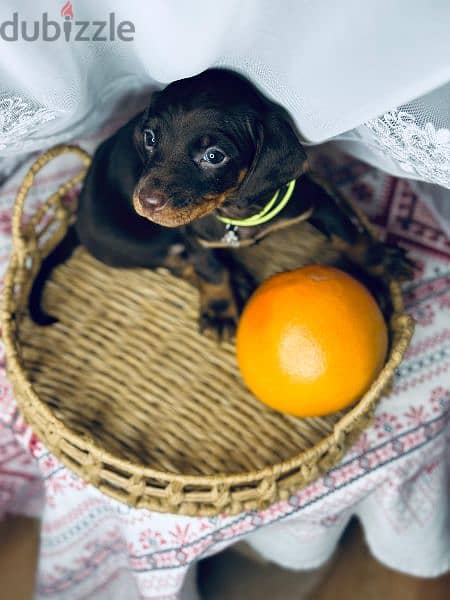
{"x":128,"y":395}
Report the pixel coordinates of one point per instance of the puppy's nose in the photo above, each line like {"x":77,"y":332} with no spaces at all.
{"x":154,"y":201}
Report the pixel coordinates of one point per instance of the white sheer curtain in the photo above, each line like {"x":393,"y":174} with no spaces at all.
{"x":373,"y":75}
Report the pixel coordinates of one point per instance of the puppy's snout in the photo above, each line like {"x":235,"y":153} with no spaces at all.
{"x":153,"y":201}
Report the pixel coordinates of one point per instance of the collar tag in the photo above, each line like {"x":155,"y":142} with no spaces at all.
{"x":231,"y":236}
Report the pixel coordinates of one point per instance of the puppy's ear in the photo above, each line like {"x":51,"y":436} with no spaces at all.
{"x":138,"y":133}
{"x":139,"y":126}
{"x":279,"y":156}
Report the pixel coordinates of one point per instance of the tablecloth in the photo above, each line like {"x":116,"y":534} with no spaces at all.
{"x":395,"y":479}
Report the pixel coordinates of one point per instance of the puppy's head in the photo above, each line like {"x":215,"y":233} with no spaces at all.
{"x":211,"y":141}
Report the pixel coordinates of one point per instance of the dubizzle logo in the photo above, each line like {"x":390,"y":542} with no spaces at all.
{"x":71,"y":30}
{"x":67,"y":10}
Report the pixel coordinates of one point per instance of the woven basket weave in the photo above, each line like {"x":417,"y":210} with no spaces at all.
{"x":127,"y":393}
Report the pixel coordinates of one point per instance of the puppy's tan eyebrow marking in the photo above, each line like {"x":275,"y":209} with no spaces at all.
{"x":205,"y":141}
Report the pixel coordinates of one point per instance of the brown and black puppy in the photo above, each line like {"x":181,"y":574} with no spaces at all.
{"x":209,"y":146}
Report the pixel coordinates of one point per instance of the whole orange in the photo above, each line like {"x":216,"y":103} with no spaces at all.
{"x":311,"y":341}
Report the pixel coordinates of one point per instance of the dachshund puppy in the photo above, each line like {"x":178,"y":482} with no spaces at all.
{"x":210,"y":164}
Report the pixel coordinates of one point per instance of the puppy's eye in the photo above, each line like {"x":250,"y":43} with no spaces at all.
{"x":149,"y":138}
{"x":214,"y":156}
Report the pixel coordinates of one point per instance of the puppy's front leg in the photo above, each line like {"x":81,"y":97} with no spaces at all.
{"x":218,"y":306}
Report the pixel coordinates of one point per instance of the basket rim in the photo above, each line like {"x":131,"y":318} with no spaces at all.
{"x":329,"y":448}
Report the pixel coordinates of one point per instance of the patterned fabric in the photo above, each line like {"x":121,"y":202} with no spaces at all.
{"x":395,"y":478}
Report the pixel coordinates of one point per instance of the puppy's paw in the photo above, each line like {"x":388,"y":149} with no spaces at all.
{"x":218,"y":319}
{"x":389,"y":262}
{"x":218,"y":328}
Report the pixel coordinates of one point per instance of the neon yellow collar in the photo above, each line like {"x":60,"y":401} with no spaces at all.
{"x":268,"y":212}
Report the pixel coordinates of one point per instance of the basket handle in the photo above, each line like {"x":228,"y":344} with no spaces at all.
{"x":19,"y":242}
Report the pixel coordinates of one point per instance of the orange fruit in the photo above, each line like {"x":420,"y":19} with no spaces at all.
{"x":311,"y":341}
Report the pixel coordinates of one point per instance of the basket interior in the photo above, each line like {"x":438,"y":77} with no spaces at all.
{"x":126,"y":366}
